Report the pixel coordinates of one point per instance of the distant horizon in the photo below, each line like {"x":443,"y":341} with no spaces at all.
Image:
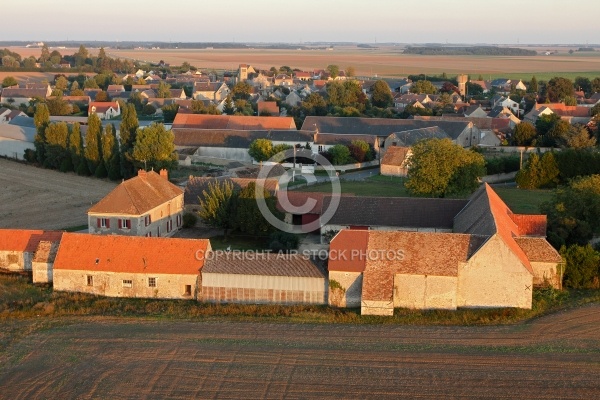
{"x":312,"y":21}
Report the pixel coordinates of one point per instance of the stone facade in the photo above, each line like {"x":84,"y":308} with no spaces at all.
{"x":350,"y":291}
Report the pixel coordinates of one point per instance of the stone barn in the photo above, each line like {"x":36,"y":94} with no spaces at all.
{"x":129,"y":266}
{"x":18,"y":247}
{"x":395,"y":161}
{"x":262,"y":278}
{"x":42,"y":265}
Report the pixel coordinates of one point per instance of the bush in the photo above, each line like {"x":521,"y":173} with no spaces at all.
{"x":502,"y":165}
{"x":189,"y":220}
{"x":283,"y":241}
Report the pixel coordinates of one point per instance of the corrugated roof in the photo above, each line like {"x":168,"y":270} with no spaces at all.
{"x":26,"y":239}
{"x":133,"y":254}
{"x":137,"y":195}
{"x":266,"y":264}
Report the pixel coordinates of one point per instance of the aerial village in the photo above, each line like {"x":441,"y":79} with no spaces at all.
{"x":436,"y":251}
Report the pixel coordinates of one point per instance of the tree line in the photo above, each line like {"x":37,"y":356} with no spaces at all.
{"x":100,"y":152}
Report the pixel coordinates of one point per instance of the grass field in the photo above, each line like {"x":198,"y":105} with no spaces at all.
{"x":523,"y":201}
{"x":371,"y":187}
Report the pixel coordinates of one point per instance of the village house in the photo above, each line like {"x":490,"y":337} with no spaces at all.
{"x":395,"y":161}
{"x":146,"y":205}
{"x":17,"y":96}
{"x":262,"y":278}
{"x":7,"y":115}
{"x":19,"y":246}
{"x":105,"y":110}
{"x":213,"y":91}
{"x":571,"y":114}
{"x":128,"y":266}
{"x":489,"y":258}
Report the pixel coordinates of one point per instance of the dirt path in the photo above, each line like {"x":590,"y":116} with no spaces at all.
{"x":554,"y":356}
{"x":39,"y":198}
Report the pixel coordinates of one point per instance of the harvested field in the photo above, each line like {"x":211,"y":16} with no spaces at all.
{"x":556,"y":356}
{"x":381,"y":62}
{"x":44,"y":199}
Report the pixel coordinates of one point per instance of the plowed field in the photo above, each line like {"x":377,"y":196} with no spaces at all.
{"x":557,"y":356}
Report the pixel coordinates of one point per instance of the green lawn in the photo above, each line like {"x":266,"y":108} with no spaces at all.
{"x":372,"y":187}
{"x":523,"y":201}
{"x":238,"y":242}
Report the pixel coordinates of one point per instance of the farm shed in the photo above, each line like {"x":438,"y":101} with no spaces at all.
{"x":43,"y":261}
{"x":129,"y":266}
{"x":262,"y":278}
{"x":16,"y":137}
{"x":18,"y":247}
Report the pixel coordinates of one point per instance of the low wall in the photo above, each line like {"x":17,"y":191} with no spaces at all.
{"x":497,"y":178}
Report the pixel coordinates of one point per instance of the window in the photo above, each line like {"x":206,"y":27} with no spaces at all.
{"x":151,"y":282}
{"x":90,"y":280}
{"x":320,"y":149}
{"x":124,"y":223}
{"x":169,"y":225}
{"x":188,"y":290}
{"x":103,"y":222}
{"x":127,"y":283}
{"x":178,"y":220}
{"x":158,"y":231}
{"x":147,"y":220}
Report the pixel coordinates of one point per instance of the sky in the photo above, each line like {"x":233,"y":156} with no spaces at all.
{"x":365,"y":21}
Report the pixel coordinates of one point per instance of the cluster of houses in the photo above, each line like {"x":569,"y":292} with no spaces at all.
{"x":395,"y":252}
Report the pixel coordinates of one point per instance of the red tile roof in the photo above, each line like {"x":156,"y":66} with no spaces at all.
{"x":395,"y":155}
{"x":566,"y":111}
{"x":343,"y":251}
{"x":25,"y":240}
{"x":133,"y":254}
{"x":137,"y":195}
{"x":268,"y":106}
{"x":241,"y":122}
{"x":538,"y":250}
{"x":102,"y":107}
{"x":530,"y":225}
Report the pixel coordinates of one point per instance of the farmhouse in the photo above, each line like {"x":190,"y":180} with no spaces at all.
{"x":491,"y":258}
{"x":146,"y":205}
{"x":262,"y":278}
{"x":213,"y":91}
{"x":18,"y":96}
{"x":105,"y":110}
{"x":19,"y":246}
{"x":395,"y":161}
{"x":128,"y":266}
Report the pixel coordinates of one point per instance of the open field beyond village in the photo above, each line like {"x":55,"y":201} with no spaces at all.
{"x":383,"y":62}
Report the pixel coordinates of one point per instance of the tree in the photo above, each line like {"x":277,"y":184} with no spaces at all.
{"x":584,"y":84}
{"x":164,"y":90}
{"x":154,"y":148}
{"x":529,"y":176}
{"x":75,"y":147}
{"x":423,"y":87}
{"x":261,"y":149}
{"x":41,"y":119}
{"x":56,"y":145}
{"x":545,"y":123}
{"x":333,"y":70}
{"x":9,"y":81}
{"x":45,"y":56}
{"x":314,"y":104}
{"x":228,"y":108}
{"x":346,"y":94}
{"x":350,"y":71}
{"x":148,"y":109}
{"x":247,"y":216}
{"x":61,"y":83}
{"x":558,"y":88}
{"x":93,"y":137}
{"x":340,"y":154}
{"x":241,"y":91}
{"x":574,"y":212}
{"x":439,"y":168}
{"x":596,"y":85}
{"x":579,"y":137}
{"x":581,"y":266}
{"x":169,"y":112}
{"x":81,"y":56}
{"x":382,"y":94}
{"x":533,"y":85}
{"x":360,"y":151}
{"x":474,"y":89}
{"x":57,"y":106}
{"x":217,"y":205}
{"x":91,"y":84}
{"x":558,"y":135}
{"x":525,"y":134}
{"x":110,"y":153}
{"x":127,"y":135}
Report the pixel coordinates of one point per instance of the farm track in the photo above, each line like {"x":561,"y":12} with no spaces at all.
{"x":550,"y":357}
{"x":37,"y":198}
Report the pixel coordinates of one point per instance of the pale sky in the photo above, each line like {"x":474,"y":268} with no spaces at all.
{"x":367,"y":21}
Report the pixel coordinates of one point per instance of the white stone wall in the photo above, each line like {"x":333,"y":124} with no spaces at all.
{"x":371,"y":307}
{"x":351,"y":293}
{"x":15,"y":260}
{"x":42,"y":272}
{"x":547,"y":273}
{"x":168,"y":286}
{"x":494,"y":277}
{"x":425,"y":292}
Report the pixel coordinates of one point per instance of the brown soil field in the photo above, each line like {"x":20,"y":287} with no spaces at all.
{"x":382,"y":62}
{"x":44,"y":199}
{"x":557,"y":356}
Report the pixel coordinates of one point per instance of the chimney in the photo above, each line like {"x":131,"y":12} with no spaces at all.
{"x":164,"y":173}
{"x":142,"y":173}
